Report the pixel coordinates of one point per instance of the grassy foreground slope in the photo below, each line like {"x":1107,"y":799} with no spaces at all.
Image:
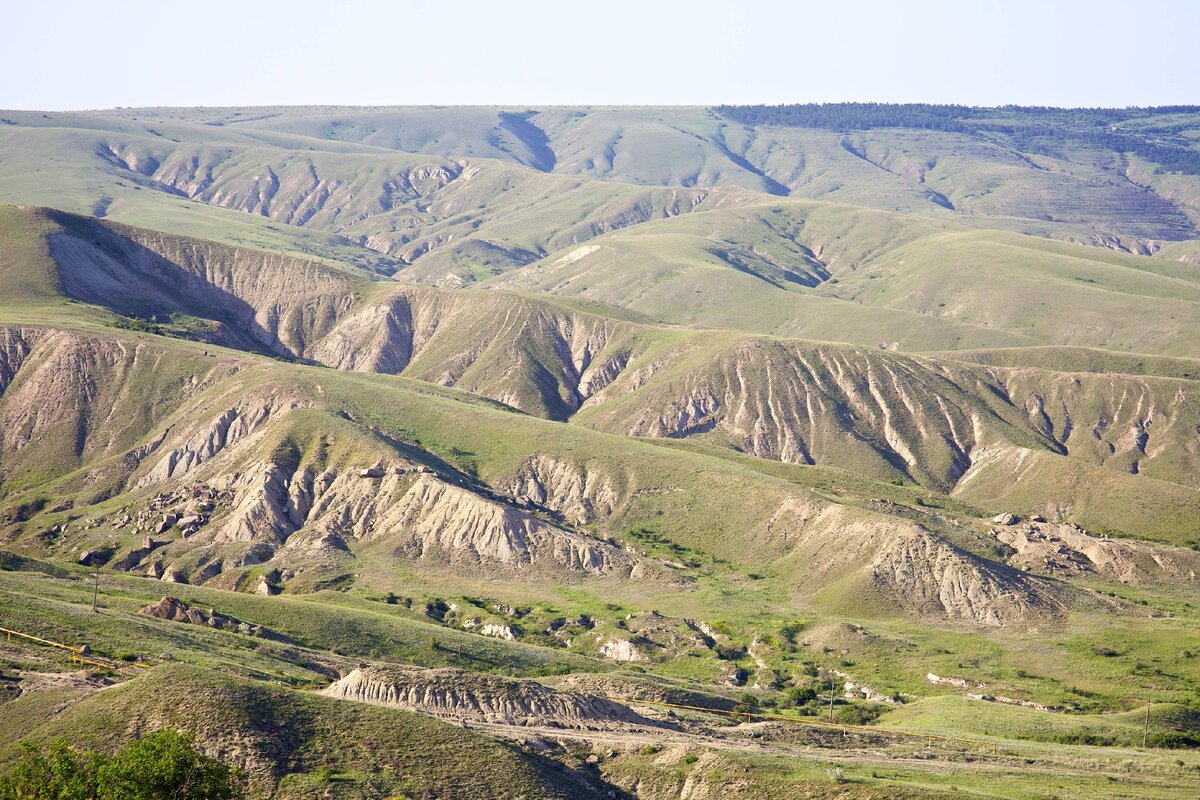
{"x":286,"y":742}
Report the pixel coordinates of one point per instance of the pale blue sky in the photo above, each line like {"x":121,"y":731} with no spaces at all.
{"x":72,"y":54}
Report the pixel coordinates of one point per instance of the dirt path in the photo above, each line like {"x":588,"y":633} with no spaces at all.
{"x":852,"y":754}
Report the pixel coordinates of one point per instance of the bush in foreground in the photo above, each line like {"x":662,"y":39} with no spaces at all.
{"x":161,"y":766}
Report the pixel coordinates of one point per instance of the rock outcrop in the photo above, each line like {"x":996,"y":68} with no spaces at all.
{"x":1065,"y":550}
{"x":910,"y":567}
{"x":435,"y":520}
{"x":227,"y":429}
{"x":580,"y":494}
{"x":458,"y":695}
{"x":174,"y":609}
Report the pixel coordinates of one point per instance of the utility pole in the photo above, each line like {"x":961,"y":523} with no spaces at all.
{"x":1146,"y":726}
{"x":95,"y":588}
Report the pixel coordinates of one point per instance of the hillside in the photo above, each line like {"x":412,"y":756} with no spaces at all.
{"x":393,"y":442}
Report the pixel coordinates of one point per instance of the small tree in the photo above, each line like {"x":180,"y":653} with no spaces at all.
{"x":164,"y":766}
{"x":60,"y":774}
{"x":161,"y":766}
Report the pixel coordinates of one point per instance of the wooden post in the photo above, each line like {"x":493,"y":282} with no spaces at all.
{"x":95,"y":588}
{"x":830,"y":698}
{"x":1146,"y":726}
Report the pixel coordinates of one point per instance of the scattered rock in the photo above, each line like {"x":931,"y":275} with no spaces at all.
{"x":172,"y":608}
{"x":938,"y":680}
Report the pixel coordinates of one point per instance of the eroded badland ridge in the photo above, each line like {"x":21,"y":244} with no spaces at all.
{"x":405,"y":440}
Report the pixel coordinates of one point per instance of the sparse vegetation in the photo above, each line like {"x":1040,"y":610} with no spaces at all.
{"x":820,"y":413}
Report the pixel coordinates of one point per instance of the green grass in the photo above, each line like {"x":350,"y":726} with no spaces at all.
{"x":294,"y":744}
{"x":694,"y":269}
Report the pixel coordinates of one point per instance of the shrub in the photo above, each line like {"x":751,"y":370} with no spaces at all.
{"x":161,"y":766}
{"x":746,"y":703}
{"x":801,"y":695}
{"x":860,"y":715}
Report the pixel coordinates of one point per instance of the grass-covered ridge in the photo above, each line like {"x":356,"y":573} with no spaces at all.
{"x":385,"y":449}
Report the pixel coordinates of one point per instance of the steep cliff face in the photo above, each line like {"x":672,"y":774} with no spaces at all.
{"x":926,"y":576}
{"x":15,"y":345}
{"x":229,"y":475}
{"x":459,"y":695}
{"x":67,"y":399}
{"x":255,"y":299}
{"x":530,"y":355}
{"x":437,"y":521}
{"x":230,"y":427}
{"x":890,"y":415}
{"x":580,"y":494}
{"x":300,"y":514}
{"x":869,"y":410}
{"x":809,"y":403}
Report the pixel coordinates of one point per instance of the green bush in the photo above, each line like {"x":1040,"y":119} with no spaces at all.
{"x":801,"y":695}
{"x":161,"y":766}
{"x":860,"y":715}
{"x":747,"y":703}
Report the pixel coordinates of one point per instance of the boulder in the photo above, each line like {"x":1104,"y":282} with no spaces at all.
{"x":621,"y":650}
{"x":174,"y":575}
{"x":1005,"y":519}
{"x":499,"y":631}
{"x":96,"y":558}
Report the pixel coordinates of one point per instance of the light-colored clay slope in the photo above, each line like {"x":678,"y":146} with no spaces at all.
{"x":251,"y":474}
{"x":459,"y":695}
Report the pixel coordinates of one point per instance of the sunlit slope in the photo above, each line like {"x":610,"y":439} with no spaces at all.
{"x":1063,"y":189}
{"x":841,"y":273}
{"x":380,"y":209}
{"x":937,"y":422}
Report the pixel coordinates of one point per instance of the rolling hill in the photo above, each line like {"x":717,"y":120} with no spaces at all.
{"x":434,"y":437}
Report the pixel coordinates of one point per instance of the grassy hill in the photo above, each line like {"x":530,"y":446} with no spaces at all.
{"x":884,"y":412}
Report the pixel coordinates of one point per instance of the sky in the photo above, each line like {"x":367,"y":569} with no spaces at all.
{"x":74,"y":54}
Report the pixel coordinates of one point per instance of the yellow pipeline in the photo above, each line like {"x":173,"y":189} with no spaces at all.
{"x":75,"y":651}
{"x":82,"y":660}
{"x":12,"y":633}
